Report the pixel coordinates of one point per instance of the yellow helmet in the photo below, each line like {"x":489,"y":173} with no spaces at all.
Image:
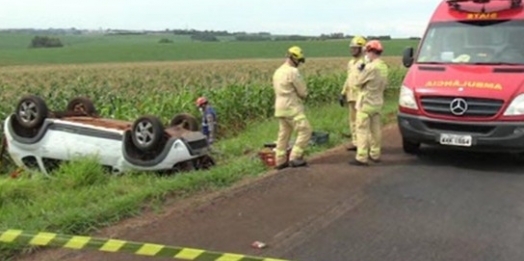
{"x":358,"y":41}
{"x":296,"y":54}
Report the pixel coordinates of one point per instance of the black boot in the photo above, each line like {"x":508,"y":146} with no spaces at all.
{"x":358,"y":163}
{"x":298,"y":163}
{"x":282,"y":166}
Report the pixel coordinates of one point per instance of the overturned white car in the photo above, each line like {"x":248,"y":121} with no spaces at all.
{"x":38,"y":138}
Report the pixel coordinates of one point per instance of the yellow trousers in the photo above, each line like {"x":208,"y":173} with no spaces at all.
{"x":301,"y":126}
{"x":369,"y":136}
{"x":352,"y":122}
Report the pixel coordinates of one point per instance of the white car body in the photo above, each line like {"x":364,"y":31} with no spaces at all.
{"x":63,"y":139}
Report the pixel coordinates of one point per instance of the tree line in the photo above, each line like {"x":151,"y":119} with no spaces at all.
{"x":212,"y":36}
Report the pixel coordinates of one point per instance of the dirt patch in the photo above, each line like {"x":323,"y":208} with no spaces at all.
{"x":101,"y":122}
{"x":177,"y":131}
{"x":174,"y":131}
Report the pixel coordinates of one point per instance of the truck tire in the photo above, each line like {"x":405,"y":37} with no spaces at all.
{"x":410,"y":147}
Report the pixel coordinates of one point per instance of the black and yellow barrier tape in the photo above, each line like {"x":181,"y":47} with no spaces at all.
{"x":115,"y":245}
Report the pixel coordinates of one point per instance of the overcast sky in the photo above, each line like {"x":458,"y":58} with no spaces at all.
{"x":372,"y":17}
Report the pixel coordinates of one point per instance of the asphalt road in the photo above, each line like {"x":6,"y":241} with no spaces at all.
{"x":440,"y":205}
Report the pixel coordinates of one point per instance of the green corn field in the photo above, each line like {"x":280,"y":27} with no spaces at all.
{"x":240,"y":90}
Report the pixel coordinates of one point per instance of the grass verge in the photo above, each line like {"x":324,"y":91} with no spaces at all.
{"x":80,"y":197}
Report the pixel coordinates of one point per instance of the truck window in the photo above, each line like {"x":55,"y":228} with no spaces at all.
{"x":490,"y":42}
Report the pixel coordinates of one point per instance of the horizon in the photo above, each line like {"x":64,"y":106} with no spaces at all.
{"x":172,"y":29}
{"x":313,"y":18}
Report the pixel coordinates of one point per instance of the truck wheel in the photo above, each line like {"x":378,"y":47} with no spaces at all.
{"x":82,"y":104}
{"x":147,"y":133}
{"x":410,"y":147}
{"x":31,"y":111}
{"x":187,"y":121}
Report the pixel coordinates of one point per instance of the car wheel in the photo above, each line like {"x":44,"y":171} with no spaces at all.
{"x":147,"y":133}
{"x":31,"y":111}
{"x":410,"y":147}
{"x":187,"y":121}
{"x":82,"y":104}
{"x":205,"y":162}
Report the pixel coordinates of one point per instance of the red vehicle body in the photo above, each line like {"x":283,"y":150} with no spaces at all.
{"x":465,"y":83}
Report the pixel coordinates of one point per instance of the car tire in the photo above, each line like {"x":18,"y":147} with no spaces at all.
{"x":189,"y":122}
{"x":82,"y":104}
{"x":147,"y":133}
{"x":410,"y":147}
{"x":31,"y":111}
{"x":206,"y":162}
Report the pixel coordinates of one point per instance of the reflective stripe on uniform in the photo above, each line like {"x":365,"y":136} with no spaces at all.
{"x":383,"y":69}
{"x":284,"y":112}
{"x":280,"y":153}
{"x":362,"y":153}
{"x":297,"y":150}
{"x":370,"y":109}
{"x":373,"y":152}
{"x":299,"y":117}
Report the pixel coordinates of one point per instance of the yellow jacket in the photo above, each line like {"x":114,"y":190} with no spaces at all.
{"x":349,"y":89}
{"x":372,"y":82}
{"x":290,"y":90}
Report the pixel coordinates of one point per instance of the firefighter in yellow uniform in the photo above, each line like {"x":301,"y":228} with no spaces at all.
{"x":290,"y":91}
{"x":350,"y":92}
{"x":372,"y":82}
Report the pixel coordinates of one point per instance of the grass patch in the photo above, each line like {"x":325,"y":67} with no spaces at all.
{"x":80,"y":197}
{"x":108,"y":49}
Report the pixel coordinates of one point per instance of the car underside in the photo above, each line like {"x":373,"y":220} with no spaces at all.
{"x":41,"y":139}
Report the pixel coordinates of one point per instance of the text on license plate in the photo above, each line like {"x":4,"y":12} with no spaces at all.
{"x":456,"y":140}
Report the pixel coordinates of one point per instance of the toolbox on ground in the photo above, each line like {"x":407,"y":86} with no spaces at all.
{"x":267,"y":154}
{"x":319,"y":137}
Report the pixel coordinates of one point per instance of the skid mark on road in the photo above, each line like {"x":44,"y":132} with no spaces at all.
{"x":294,"y":236}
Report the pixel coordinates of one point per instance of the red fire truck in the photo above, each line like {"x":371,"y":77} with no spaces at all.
{"x":465,"y":84}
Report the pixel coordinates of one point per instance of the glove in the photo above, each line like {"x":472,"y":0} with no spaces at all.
{"x":361,"y":66}
{"x":342,"y":100}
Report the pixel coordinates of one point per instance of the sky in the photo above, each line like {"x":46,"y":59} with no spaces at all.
{"x":398,"y":18}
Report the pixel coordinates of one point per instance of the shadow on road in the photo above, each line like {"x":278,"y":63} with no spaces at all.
{"x":430,"y":156}
{"x":478,"y":161}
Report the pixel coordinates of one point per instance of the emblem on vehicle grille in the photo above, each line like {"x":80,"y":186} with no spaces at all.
{"x":458,"y":106}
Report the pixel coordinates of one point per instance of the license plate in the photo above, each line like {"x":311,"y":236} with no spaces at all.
{"x":456,"y":140}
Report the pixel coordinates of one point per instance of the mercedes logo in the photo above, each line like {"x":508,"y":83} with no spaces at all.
{"x":458,"y":106}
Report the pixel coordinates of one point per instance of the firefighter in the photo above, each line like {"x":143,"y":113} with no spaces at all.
{"x":349,"y":92}
{"x":290,"y":91}
{"x":209,"y":119}
{"x":372,"y":82}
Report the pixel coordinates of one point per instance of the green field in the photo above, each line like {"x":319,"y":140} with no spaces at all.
{"x":134,"y":48}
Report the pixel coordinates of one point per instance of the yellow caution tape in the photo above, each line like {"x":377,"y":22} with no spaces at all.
{"x":115,"y":245}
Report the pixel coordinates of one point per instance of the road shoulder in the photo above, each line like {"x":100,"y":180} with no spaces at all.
{"x":279,"y":208}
